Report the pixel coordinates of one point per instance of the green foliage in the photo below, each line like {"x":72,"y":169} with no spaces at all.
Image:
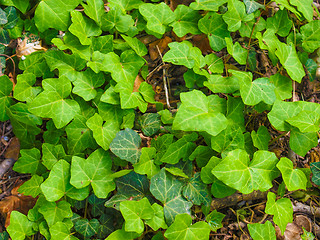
{"x":97,"y":139}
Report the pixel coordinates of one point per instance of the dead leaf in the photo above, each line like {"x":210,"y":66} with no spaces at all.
{"x":202,"y":42}
{"x":137,"y":83}
{"x":31,"y":43}
{"x":292,"y":232}
{"x":13,"y":150}
{"x":303,"y":221}
{"x":162,"y":45}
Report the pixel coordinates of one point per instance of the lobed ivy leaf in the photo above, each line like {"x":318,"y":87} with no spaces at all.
{"x":95,"y":170}
{"x":301,"y":142}
{"x":280,"y":23}
{"x":315,"y":168}
{"x":196,"y":114}
{"x":126,"y":5}
{"x":157,"y":221}
{"x":94,"y":9}
{"x":214,"y":220}
{"x":207,"y":5}
{"x":55,"y":212}
{"x":197,"y":192}
{"x":36,"y":63}
{"x":5,"y":101}
{"x":310,"y":35}
{"x":116,"y":19}
{"x":176,"y":172}
{"x":283,"y":86}
{"x":87,"y":228}
{"x":29,"y":162}
{"x":32,"y":186}
{"x":238,"y":53}
{"x":306,"y":121}
{"x":136,"y":45}
{"x":150,"y":123}
{"x":182,"y":228}
{"x":252,"y":6}
{"x":146,"y":163}
{"x":158,"y":16}
{"x":20,"y":226}
{"x":61,"y":230}
{"x":293,"y":178}
{"x":238,"y":172}
{"x":260,"y":231}
{"x":121,"y":234}
{"x":19,"y":4}
{"x":54,"y":14}
{"x":180,"y":54}
{"x":281,"y":209}
{"x":23,"y":91}
{"x":305,"y":7}
{"x":261,"y":138}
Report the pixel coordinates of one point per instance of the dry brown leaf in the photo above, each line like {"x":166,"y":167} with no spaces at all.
{"x":202,"y":42}
{"x":13,"y":150}
{"x":28,"y":45}
{"x":292,"y":232}
{"x":303,"y":221}
{"x":137,"y":83}
{"x":162,"y":45}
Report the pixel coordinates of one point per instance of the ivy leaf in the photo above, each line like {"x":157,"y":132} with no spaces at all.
{"x":157,"y":221}
{"x":186,"y":21}
{"x":261,"y":138}
{"x":197,"y":192}
{"x":61,"y":230}
{"x":121,"y":234}
{"x":95,"y":170}
{"x":87,"y":228}
{"x":85,"y":84}
{"x":134,"y":212}
{"x":126,"y":145}
{"x":19,"y":4}
{"x":213,"y":25}
{"x":158,"y":16}
{"x":238,"y":172}
{"x":301,"y":143}
{"x":236,"y":14}
{"x":280,"y":23}
{"x":252,"y":6}
{"x":220,"y":84}
{"x":180,"y":149}
{"x":283,"y":86}
{"x":306,"y":121}
{"x":310,"y":35}
{"x":214,"y":220}
{"x":126,"y":5}
{"x":305,"y":7}
{"x":238,"y":53}
{"x":23,"y":91}
{"x":262,"y":231}
{"x":83,"y":27}
{"x":54,"y":14}
{"x":58,"y":184}
{"x":150,"y":123}
{"x":307,"y":235}
{"x":207,"y":5}
{"x":20,"y":226}
{"x":5,"y":101}
{"x":103,"y":44}
{"x":94,"y":9}
{"x":136,"y":45}
{"x":35,"y":63}
{"x":293,"y":178}
{"x":29,"y":162}
{"x":55,"y":212}
{"x":196,"y":114}
{"x":281,"y":209}
{"x":146,"y":163}
{"x":176,"y":172}
{"x":289,"y":59}
{"x":103,"y":133}
{"x":117,"y":19}
{"x":215,"y":64}
{"x":182,"y":228}
{"x":52,"y":102}
{"x":106,"y":225}
{"x":179,"y":54}
{"x":315,"y":168}
{"x":32,"y":186}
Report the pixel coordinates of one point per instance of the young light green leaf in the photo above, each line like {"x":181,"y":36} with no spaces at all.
{"x":20,"y":226}
{"x":281,"y":209}
{"x":207,"y":5}
{"x":157,"y":221}
{"x":150,"y":123}
{"x":54,"y":14}
{"x":213,"y":25}
{"x":126,"y":5}
{"x":55,"y":212}
{"x":238,"y":53}
{"x":215,"y":64}
{"x":238,"y":172}
{"x":307,"y":235}
{"x":283,"y":86}
{"x":146,"y":163}
{"x":179,"y":54}
{"x":293,"y":178}
{"x":118,"y":19}
{"x":196,"y":114}
{"x":23,"y":91}
{"x":61,"y":230}
{"x":121,"y":234}
{"x":261,"y":138}
{"x":103,"y":133}
{"x":158,"y":16}
{"x":32,"y":186}
{"x":310,"y":35}
{"x":176,"y":172}
{"x":87,"y":228}
{"x":214,"y":220}
{"x":220,"y":84}
{"x":94,"y":9}
{"x":5,"y":101}
{"x":260,"y":231}
{"x":126,"y":145}
{"x":306,"y":121}
{"x":182,"y":228}
{"x":29,"y":162}
{"x":58,"y":184}
{"x":197,"y":192}
{"x":134,"y":212}
{"x":280,"y":23}
{"x":301,"y":143}
{"x":305,"y":7}
{"x":136,"y":45}
{"x":95,"y":170}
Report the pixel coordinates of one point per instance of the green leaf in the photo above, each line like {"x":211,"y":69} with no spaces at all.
{"x":280,"y":23}
{"x":134,"y":212}
{"x":252,"y":6}
{"x":32,"y":186}
{"x":5,"y":101}
{"x":29,"y":162}
{"x":220,"y":84}
{"x":207,"y":5}
{"x":121,"y":234}
{"x":58,"y":184}
{"x":213,"y":25}
{"x":176,"y":172}
{"x":301,"y":143}
{"x":214,"y":220}
{"x":94,"y":9}
{"x":180,"y":149}
{"x":3,"y":17}
{"x":157,"y":221}
{"x":23,"y":91}
{"x":283,"y":86}
{"x":136,"y":45}
{"x":35,"y":63}
{"x":186,"y":21}
{"x":85,"y":84}
{"x":261,"y":138}
{"x":103,"y":133}
{"x":306,"y":121}
{"x":315,"y":168}
{"x":87,"y":228}
{"x":215,"y":64}
{"x":238,"y":53}
{"x":196,"y":114}
{"x":158,"y":16}
{"x":182,"y":228}
{"x":197,"y":192}
{"x":310,"y":35}
{"x":126,"y":5}
{"x":52,"y":102}
{"x":281,"y":209}
{"x":150,"y":123}
{"x":305,"y":7}
{"x":61,"y":231}
{"x":179,"y":54}
{"x":307,"y":235}
{"x":102,"y":44}
{"x":55,"y":212}
{"x":126,"y":145}
{"x":19,"y":4}
{"x":260,"y":231}
{"x":146,"y":163}
{"x":116,"y":18}
{"x":289,"y":59}
{"x":238,"y":172}
{"x":54,"y":14}
{"x":20,"y":226}
{"x":293,"y":178}
{"x":236,"y":14}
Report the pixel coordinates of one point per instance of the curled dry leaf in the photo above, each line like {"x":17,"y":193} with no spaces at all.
{"x":29,"y":44}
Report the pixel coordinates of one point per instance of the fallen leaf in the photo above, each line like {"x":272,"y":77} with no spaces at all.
{"x":13,"y":150}
{"x":162,"y":45}
{"x":29,"y":44}
{"x":137,"y":83}
{"x":202,"y":42}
